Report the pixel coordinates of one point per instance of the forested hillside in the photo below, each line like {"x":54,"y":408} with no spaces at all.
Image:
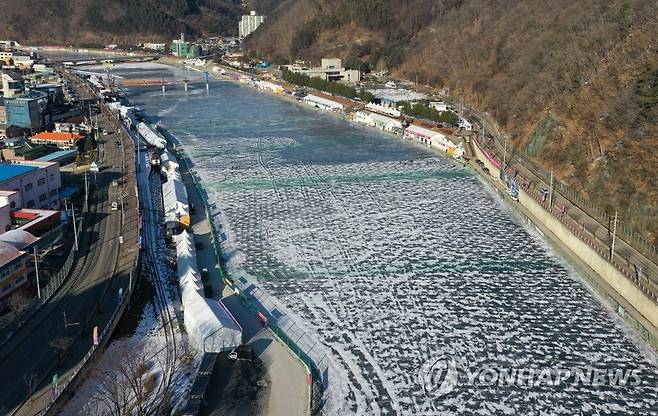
{"x":117,"y":21}
{"x":575,"y":84}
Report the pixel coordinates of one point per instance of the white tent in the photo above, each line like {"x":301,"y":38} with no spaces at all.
{"x":151,"y":136}
{"x":322,"y":103}
{"x":175,"y":201}
{"x":207,"y":321}
{"x":169,"y":163}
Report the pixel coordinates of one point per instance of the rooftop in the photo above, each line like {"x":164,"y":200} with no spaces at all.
{"x":57,"y":136}
{"x":8,"y":253}
{"x":57,"y":155}
{"x":20,"y":239}
{"x":11,"y":170}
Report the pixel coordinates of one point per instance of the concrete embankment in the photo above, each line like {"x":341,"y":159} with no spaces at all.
{"x":622,"y":295}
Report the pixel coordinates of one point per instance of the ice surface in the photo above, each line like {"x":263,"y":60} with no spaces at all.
{"x":387,"y":257}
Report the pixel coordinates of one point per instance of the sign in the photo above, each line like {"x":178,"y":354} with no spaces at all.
{"x":93,"y":167}
{"x":95,"y":336}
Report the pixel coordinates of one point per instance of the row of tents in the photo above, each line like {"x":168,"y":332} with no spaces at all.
{"x":208,"y":322}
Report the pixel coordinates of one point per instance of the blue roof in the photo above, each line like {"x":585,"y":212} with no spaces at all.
{"x":58,"y":154}
{"x":11,"y":170}
{"x":68,"y":192}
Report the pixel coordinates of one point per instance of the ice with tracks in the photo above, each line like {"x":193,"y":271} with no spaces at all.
{"x":391,"y":257}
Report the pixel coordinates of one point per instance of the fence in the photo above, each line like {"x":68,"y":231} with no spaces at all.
{"x":632,"y":237}
{"x":113,"y":321}
{"x":103,"y":338}
{"x":48,"y":291}
{"x":304,"y":343}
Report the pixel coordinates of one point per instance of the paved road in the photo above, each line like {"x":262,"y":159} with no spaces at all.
{"x":288,"y":382}
{"x":44,"y":346}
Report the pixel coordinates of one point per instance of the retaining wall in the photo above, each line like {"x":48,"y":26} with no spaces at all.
{"x":626,"y":298}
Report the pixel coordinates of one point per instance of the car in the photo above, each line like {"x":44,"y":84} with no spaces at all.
{"x":115,"y":183}
{"x":115,"y":206}
{"x":233,"y":355}
{"x":204,"y":273}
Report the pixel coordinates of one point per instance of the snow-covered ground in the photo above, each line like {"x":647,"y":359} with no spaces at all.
{"x":388,"y":262}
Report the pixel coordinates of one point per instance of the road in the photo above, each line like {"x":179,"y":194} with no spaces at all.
{"x":57,"y":338}
{"x":287,"y":375}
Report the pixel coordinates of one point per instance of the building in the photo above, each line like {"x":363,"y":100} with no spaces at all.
{"x":331,"y":69}
{"x":12,"y":84}
{"x":7,"y":56}
{"x":439,"y":106}
{"x":23,"y":61}
{"x":62,"y":157}
{"x":433,"y":139}
{"x":55,"y":92}
{"x":23,"y":151}
{"x":249,"y":23}
{"x":379,"y":121}
{"x":322,"y":103}
{"x":10,"y":132}
{"x":28,"y":110}
{"x":155,"y":46}
{"x":15,"y":268}
{"x":3,"y":113}
{"x":62,"y":140}
{"x":37,"y":184}
{"x":179,"y":47}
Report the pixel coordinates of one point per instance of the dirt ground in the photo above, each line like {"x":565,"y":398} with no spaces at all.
{"x":234,"y":389}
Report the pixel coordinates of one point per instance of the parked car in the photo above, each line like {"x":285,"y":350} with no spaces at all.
{"x":115,"y":206}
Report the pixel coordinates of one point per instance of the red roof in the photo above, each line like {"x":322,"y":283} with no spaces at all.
{"x":57,"y":136}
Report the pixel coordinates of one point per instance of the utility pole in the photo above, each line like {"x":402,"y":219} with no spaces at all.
{"x":75,"y":228}
{"x":86,"y":189}
{"x":36,"y":270}
{"x":614,"y":235}
{"x":550,"y":192}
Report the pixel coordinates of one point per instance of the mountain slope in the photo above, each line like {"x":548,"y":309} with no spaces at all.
{"x":79,"y":21}
{"x":575,"y":84}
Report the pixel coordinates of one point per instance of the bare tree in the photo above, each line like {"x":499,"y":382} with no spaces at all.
{"x":137,"y":378}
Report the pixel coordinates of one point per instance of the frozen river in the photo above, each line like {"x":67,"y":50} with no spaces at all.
{"x":414,"y":278}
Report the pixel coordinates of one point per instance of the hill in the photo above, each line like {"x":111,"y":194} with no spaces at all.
{"x":115,"y":21}
{"x":574,"y":84}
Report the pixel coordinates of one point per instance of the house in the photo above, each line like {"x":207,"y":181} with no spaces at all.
{"x":10,"y":132}
{"x":62,"y":140}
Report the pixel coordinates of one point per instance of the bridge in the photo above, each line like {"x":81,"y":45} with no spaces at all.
{"x":103,"y":60}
